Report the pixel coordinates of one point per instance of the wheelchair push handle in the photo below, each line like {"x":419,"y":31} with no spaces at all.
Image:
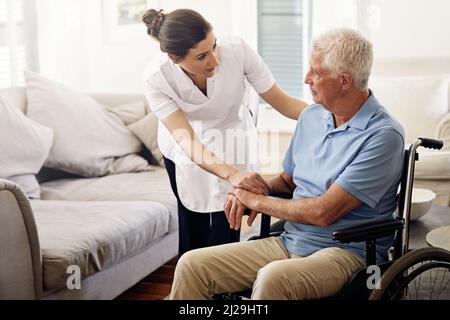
{"x":432,"y":143}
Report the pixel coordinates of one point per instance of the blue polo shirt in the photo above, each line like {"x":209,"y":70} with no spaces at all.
{"x":364,"y":156}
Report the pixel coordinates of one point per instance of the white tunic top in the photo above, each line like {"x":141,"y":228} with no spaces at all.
{"x":221,"y":119}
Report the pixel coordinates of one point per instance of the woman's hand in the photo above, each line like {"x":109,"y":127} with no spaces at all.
{"x":250,"y":181}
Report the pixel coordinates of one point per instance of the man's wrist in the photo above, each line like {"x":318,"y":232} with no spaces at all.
{"x":259,"y":201}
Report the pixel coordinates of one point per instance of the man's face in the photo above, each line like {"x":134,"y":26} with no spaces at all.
{"x":202,"y":59}
{"x":324,"y":88}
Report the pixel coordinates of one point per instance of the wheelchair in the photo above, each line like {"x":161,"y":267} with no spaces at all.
{"x":419,"y":274}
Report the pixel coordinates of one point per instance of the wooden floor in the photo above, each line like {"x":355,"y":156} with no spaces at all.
{"x":154,"y":287}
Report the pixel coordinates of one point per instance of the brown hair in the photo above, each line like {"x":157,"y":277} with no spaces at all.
{"x":178,"y":31}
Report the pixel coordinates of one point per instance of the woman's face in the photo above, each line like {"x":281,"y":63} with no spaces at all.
{"x":201,"y":61}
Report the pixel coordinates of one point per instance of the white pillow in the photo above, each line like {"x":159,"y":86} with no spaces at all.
{"x":418,"y":103}
{"x":433,"y":164}
{"x":89,"y":140}
{"x":24,"y":146}
{"x":130,"y":112}
{"x":146,"y":130}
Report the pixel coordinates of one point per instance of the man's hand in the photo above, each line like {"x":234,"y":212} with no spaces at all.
{"x":237,"y":201}
{"x":247,"y":198}
{"x":234,"y":210}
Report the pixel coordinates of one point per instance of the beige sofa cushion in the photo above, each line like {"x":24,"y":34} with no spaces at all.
{"x":142,"y":186}
{"x":144,"y":129}
{"x":94,"y":235}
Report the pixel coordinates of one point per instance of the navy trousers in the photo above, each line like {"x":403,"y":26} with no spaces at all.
{"x":197,"y":229}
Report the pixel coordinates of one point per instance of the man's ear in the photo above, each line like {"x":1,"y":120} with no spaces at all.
{"x":346,"y":81}
{"x":175,"y":59}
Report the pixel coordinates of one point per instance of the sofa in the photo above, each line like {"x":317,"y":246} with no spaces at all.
{"x":83,"y":235}
{"x":417,"y":92}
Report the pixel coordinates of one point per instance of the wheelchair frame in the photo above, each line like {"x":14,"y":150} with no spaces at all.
{"x":357,"y":287}
{"x":400,"y":258}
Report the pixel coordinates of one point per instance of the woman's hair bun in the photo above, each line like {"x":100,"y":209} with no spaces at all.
{"x":153,"y":20}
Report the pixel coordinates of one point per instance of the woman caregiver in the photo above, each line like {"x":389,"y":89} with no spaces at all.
{"x":199,"y":92}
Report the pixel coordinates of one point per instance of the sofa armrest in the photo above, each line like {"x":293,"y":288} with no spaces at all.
{"x":21,"y":260}
{"x":443,"y":131}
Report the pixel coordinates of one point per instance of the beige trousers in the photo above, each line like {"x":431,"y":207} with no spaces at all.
{"x":266,"y":267}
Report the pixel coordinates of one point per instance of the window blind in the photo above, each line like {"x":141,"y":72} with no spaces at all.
{"x":12,"y":47}
{"x":280,"y":41}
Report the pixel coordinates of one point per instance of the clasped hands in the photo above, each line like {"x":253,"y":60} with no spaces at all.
{"x":248,"y":189}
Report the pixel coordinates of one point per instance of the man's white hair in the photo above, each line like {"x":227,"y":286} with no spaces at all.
{"x":345,"y":51}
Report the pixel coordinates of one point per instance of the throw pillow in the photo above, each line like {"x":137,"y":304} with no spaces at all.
{"x":89,"y":140}
{"x":146,"y":130}
{"x":24,"y":146}
{"x":418,"y":103}
{"x":129,"y":112}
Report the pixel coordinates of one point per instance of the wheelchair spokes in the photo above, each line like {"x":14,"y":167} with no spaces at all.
{"x":428,"y":280}
{"x":422,"y":274}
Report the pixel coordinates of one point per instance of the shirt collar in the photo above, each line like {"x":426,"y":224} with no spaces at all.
{"x":361,"y":119}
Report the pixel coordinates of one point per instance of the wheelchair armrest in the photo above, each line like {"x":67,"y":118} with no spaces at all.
{"x":368,"y":231}
{"x":265,"y":230}
{"x":269,"y":230}
{"x":271,"y":234}
{"x":283,"y":195}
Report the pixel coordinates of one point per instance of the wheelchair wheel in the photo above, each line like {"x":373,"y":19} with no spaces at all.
{"x":422,"y":274}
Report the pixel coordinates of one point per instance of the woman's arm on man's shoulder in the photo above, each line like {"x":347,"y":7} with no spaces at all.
{"x":282,"y":102}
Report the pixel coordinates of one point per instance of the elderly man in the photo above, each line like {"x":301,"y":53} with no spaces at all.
{"x":343,"y":167}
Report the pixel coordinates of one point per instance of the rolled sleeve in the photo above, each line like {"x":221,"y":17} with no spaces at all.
{"x":375,"y":168}
{"x":161,"y":104}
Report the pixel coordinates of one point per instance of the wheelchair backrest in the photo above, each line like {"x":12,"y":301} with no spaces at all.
{"x":401,"y":241}
{"x":401,"y":200}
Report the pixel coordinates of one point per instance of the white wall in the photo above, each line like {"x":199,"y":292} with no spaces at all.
{"x":329,"y":14}
{"x":76,"y":47}
{"x":412,"y":29}
{"x":398,"y":29}
{"x":79,"y":48}
{"x":118,"y":66}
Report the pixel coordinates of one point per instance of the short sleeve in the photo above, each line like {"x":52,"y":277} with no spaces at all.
{"x":256,"y":71}
{"x":160,"y":103}
{"x":375,"y":168}
{"x":288,"y":161}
